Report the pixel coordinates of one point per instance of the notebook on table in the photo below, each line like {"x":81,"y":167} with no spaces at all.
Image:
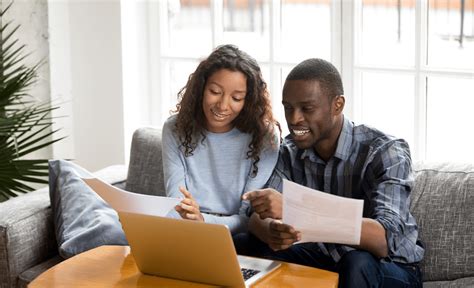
{"x":191,"y":251}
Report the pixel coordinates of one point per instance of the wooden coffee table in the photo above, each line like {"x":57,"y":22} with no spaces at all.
{"x":114,"y":266}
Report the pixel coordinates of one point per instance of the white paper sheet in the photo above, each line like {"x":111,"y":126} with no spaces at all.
{"x":322,"y":217}
{"x":124,"y":201}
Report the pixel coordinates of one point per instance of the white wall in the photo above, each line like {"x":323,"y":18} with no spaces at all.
{"x":33,"y":32}
{"x":86,"y":74}
{"x":140,"y":66}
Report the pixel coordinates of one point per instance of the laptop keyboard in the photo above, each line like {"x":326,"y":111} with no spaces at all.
{"x":247,"y":273}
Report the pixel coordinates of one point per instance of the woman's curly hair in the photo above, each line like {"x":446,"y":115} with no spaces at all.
{"x":256,"y":117}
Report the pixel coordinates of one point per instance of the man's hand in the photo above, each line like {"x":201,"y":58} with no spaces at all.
{"x":267,"y":203}
{"x":282,"y":235}
{"x":188,"y":207}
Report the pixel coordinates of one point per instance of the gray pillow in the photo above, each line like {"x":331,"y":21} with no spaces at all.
{"x":82,"y":220}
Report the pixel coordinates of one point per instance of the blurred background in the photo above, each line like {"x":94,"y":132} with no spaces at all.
{"x":407,"y":65}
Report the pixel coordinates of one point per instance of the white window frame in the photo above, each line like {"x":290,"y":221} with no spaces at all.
{"x":354,"y":70}
{"x":344,"y":41}
{"x":275,"y":85}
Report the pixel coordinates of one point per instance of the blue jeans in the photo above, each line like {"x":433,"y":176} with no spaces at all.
{"x":356,"y":268}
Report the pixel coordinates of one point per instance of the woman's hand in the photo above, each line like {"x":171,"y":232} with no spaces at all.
{"x":188,"y":207}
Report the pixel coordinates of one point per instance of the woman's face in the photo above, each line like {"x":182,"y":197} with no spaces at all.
{"x":224,"y":98}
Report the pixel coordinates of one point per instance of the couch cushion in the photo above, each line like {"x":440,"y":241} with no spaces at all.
{"x":458,"y":283}
{"x":442,"y":201}
{"x":82,"y":219}
{"x":145,"y":172}
{"x":29,"y":275}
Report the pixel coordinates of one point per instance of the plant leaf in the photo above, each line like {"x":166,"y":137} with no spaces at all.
{"x":25,"y":124}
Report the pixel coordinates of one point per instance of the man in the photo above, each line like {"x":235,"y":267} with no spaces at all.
{"x":327,"y":152}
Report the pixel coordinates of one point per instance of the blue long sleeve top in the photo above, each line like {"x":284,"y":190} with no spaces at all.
{"x":217,"y":174}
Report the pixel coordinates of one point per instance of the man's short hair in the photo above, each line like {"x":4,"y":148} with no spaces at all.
{"x":322,"y":71}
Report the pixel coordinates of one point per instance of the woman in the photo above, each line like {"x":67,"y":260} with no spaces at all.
{"x":223,"y":140}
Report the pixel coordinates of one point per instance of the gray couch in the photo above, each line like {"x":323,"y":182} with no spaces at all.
{"x":442,"y":202}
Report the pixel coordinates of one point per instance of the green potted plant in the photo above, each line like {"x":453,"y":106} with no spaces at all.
{"x":25,"y":124}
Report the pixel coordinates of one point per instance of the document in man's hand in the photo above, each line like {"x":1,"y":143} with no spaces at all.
{"x":124,"y":201}
{"x":322,"y":217}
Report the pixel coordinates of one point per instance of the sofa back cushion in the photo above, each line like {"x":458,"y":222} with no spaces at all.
{"x":145,"y":171}
{"x":442,"y":203}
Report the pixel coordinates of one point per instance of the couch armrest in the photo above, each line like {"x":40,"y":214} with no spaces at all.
{"x":26,"y":234}
{"x":27,"y":230}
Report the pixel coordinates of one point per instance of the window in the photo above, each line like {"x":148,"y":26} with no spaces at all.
{"x":413,"y":72}
{"x":407,"y":66}
{"x":264,"y":29}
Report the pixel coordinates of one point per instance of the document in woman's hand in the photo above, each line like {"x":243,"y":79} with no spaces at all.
{"x":124,"y":201}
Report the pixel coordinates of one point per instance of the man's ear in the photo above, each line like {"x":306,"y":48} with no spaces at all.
{"x":339,"y":102}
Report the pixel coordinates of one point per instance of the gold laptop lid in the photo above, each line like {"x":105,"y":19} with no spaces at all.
{"x":182,"y":249}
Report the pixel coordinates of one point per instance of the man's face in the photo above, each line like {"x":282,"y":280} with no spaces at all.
{"x":309,"y":113}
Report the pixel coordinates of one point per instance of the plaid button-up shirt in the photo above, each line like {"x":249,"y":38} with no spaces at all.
{"x":367,"y":165}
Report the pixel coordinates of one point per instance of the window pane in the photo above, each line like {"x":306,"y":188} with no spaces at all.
{"x":246,"y":24}
{"x":387,"y":36}
{"x":388,"y":104}
{"x":305,"y":30}
{"x":188,"y":29}
{"x":449,"y":115}
{"x":175,"y":75}
{"x":451,"y":33}
{"x":278,"y":111}
{"x":244,"y":15}
{"x":275,"y":93}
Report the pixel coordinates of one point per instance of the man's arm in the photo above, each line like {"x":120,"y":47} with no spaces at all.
{"x":267,"y":204}
{"x":277,"y":235}
{"x":390,"y":177}
{"x":260,"y":227}
{"x":372,"y":238}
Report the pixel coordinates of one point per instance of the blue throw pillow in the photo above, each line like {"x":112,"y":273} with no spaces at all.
{"x":82,"y":220}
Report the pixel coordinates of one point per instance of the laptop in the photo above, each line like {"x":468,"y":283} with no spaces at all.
{"x":176,"y":248}
{"x":191,"y":251}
